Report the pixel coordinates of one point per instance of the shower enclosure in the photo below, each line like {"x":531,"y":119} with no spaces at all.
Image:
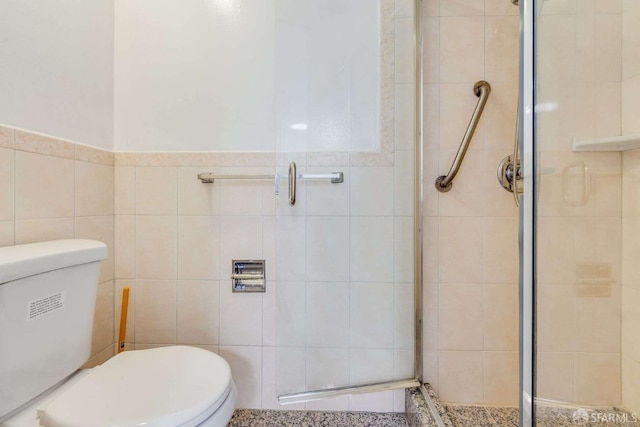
{"x":580,"y":358}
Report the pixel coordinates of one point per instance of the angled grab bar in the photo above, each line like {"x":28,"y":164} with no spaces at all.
{"x":482,"y":90}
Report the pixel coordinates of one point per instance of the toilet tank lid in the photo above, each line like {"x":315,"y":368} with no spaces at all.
{"x":17,"y":262}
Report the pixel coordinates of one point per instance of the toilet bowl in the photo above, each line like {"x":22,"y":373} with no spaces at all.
{"x":161,"y":387}
{"x":47,"y":295}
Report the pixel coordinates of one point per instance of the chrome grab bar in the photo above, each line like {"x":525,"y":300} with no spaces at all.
{"x":293,"y":183}
{"x":482,"y":90}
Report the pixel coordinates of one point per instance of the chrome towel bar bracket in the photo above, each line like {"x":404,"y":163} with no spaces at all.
{"x":482,"y":90}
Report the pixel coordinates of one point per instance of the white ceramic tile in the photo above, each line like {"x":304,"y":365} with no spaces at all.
{"x":125,"y":246}
{"x":405,"y":116}
{"x":125,"y":190}
{"x":501,"y":378}
{"x":371,"y":249}
{"x":327,"y":254}
{"x":500,"y":7}
{"x":198,"y":247}
{"x":501,"y":317}
{"x":555,"y":376}
{"x":462,"y":48}
{"x":99,"y":228}
{"x":156,"y":241}
{"x":404,"y":182}
{"x":269,"y":316}
{"x":289,"y":367}
{"x":556,"y":258}
{"x":37,"y":201}
{"x":431,"y":49}
{"x":327,"y":315}
{"x":246,"y":370}
{"x":460,"y":250}
{"x":403,"y":249}
{"x":460,"y":376}
{"x":198,"y":309}
{"x":403,"y":364}
{"x":370,"y":365}
{"x":7,"y":233}
{"x":291,"y":248}
{"x":608,"y":47}
{"x":460,"y":324}
{"x":155,"y":312}
{"x":94,"y":189}
{"x":603,"y":369}
{"x":598,"y":323}
{"x":371,"y":315}
{"x":403,"y":318}
{"x":240,"y":238}
{"x":7,"y":184}
{"x":430,"y":236}
{"x":501,"y":250}
{"x":240,"y":317}
{"x":501,"y":48}
{"x":327,"y":368}
{"x":404,"y":54}
{"x":41,"y":230}
{"x":156,"y":190}
{"x":555,"y":331}
{"x":336,"y":404}
{"x":371,"y":190}
{"x":431,"y":307}
{"x":372,"y":402}
{"x":630,"y":378}
{"x":290,"y":314}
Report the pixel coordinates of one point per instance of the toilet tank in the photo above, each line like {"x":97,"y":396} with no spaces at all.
{"x":47,"y":301}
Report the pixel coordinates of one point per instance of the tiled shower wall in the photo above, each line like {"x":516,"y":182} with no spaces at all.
{"x":52,"y":189}
{"x":579,"y":203}
{"x":631,"y":209}
{"x":470,"y":246}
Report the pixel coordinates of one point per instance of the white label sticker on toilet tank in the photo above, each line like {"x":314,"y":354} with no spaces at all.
{"x":46,"y":305}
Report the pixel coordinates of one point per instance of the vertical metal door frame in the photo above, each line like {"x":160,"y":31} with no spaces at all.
{"x":527,"y":211}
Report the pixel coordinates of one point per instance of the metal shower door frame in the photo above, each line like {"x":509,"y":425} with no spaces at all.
{"x":527,"y":212}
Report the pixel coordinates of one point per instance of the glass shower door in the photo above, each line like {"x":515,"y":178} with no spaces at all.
{"x":344,"y":250}
{"x":580,"y":219}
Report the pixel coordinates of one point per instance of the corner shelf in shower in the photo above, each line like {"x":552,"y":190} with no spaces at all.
{"x":611,"y":143}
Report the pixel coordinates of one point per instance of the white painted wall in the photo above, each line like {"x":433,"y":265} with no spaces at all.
{"x":56,"y":68}
{"x":194,"y":75}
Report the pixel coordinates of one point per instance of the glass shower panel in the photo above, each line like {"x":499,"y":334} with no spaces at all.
{"x":584,"y":103}
{"x":344,"y":251}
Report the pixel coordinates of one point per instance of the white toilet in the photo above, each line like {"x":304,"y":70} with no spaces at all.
{"x":47,"y":302}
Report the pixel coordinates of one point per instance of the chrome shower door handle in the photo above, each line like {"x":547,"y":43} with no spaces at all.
{"x":293,"y":176}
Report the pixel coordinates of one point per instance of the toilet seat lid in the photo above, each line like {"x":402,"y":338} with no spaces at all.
{"x":159,"y":387}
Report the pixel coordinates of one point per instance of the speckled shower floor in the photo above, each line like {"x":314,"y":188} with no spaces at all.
{"x":257,"y":418}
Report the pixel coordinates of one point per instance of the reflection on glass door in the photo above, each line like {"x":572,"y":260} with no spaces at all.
{"x":345,"y":261}
{"x":587,"y":312}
